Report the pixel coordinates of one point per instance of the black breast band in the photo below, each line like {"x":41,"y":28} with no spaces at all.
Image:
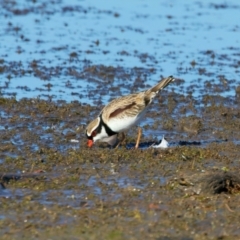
{"x":108,"y":130}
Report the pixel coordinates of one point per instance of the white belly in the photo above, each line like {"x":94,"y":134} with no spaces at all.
{"x":122,"y":124}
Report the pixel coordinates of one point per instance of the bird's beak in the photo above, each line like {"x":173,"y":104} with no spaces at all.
{"x":90,"y":143}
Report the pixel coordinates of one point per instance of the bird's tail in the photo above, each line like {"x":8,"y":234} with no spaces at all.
{"x":162,"y":84}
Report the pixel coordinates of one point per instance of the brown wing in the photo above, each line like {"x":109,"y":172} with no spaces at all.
{"x":133,"y":104}
{"x":121,"y":110}
{"x":130,"y":105}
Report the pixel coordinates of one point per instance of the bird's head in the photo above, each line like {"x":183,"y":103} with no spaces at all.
{"x":96,"y":130}
{"x":92,"y":131}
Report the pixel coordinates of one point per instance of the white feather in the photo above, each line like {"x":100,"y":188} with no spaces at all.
{"x":163,"y":144}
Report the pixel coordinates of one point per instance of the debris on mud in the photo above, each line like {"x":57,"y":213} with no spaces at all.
{"x":225,"y":182}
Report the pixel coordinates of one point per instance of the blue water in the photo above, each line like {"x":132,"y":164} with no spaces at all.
{"x":117,"y":33}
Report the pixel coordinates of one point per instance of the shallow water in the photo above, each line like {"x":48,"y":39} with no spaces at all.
{"x":195,"y":41}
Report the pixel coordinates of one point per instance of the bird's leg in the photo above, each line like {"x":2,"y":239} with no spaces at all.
{"x":138,"y":137}
{"x":121,"y":141}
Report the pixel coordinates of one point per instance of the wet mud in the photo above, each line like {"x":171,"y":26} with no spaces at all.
{"x":52,"y":184}
{"x":53,"y":187}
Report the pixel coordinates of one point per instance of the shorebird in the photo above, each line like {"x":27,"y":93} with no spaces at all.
{"x":121,"y":114}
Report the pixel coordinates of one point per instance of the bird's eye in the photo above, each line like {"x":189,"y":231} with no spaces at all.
{"x":94,"y":133}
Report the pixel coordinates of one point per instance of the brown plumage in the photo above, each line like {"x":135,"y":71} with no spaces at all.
{"x":122,"y":113}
